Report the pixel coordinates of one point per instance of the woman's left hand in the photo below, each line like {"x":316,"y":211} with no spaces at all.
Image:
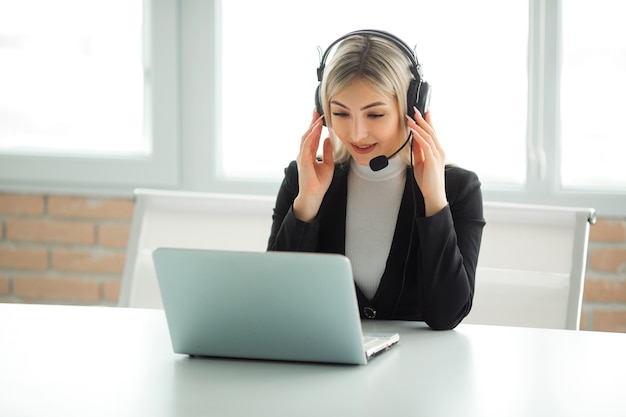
{"x":429,"y":160}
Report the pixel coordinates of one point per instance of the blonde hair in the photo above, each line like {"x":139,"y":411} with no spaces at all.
{"x":375,"y":60}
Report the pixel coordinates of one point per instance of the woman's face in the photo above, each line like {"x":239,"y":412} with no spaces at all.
{"x":366,"y":121}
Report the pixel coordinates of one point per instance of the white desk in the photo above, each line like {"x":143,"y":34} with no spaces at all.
{"x":103,"y":361}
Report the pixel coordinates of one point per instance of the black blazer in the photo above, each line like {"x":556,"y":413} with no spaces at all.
{"x":431,"y":265}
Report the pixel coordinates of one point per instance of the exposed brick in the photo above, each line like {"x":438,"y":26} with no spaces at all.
{"x":90,"y":207}
{"x":608,"y":230}
{"x":605,"y":290}
{"x":113,"y":235}
{"x":111,"y":290}
{"x":4,"y":285}
{"x":605,"y":320}
{"x":52,"y":231}
{"x":66,"y":289}
{"x":23,"y":258}
{"x":88,"y":261}
{"x":608,"y":260}
{"x":18,"y":204}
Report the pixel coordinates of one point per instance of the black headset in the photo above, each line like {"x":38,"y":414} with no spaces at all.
{"x":418,"y":94}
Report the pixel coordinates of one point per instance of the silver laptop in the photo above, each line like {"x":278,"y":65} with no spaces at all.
{"x":282,"y":306}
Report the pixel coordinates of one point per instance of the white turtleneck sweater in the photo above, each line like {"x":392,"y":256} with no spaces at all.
{"x":372,"y":211}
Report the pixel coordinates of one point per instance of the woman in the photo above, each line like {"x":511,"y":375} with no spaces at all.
{"x":411,"y":230}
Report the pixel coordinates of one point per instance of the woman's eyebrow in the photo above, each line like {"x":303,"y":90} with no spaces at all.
{"x":377,"y":103}
{"x":339,"y":104}
{"x":367,"y":106}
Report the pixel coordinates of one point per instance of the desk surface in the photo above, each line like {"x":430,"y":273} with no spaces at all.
{"x":107,"y":361}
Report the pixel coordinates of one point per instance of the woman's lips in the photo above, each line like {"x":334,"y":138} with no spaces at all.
{"x":363,"y":149}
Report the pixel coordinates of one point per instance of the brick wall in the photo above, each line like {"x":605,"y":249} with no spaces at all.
{"x":64,"y":250}
{"x":71,"y":250}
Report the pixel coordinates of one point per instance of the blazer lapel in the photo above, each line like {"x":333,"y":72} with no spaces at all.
{"x":333,"y":213}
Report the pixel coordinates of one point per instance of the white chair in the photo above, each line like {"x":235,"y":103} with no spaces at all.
{"x":188,"y":220}
{"x":530,"y":270}
{"x":531,"y":266}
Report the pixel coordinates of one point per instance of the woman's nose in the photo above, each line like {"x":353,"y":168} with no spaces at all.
{"x":359,"y":130}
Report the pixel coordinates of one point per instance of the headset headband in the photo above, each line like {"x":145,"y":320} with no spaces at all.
{"x":416,"y":68}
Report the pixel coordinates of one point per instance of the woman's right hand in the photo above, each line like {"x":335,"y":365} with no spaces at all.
{"x":314,"y":176}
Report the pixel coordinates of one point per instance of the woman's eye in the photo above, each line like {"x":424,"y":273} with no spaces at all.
{"x":340,"y":114}
{"x":376,"y":115}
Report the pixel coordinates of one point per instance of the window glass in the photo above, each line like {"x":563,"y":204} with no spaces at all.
{"x":71,"y":77}
{"x":475,"y":63}
{"x":593,"y":87}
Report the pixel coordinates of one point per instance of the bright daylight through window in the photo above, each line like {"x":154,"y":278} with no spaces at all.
{"x":476,"y":66}
{"x":72,"y":77}
{"x":593,"y":87}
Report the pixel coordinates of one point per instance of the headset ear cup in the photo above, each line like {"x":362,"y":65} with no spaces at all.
{"x":412,"y":98}
{"x":423,"y":99}
{"x":319,"y":108}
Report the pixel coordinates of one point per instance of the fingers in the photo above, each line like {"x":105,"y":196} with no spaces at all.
{"x":427,"y":118}
{"x":421,"y":122}
{"x":418,"y":154}
{"x":315,"y":116}
{"x":425,"y":136}
{"x":328,"y":152}
{"x":311,"y":138}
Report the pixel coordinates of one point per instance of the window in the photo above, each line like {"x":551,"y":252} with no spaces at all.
{"x":79,"y":94}
{"x":68,"y":77}
{"x":527,"y":93}
{"x":593,"y":87}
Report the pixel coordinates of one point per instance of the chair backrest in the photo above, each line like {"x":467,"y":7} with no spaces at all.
{"x":530,"y":270}
{"x":182,"y":219}
{"x":531,"y":266}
